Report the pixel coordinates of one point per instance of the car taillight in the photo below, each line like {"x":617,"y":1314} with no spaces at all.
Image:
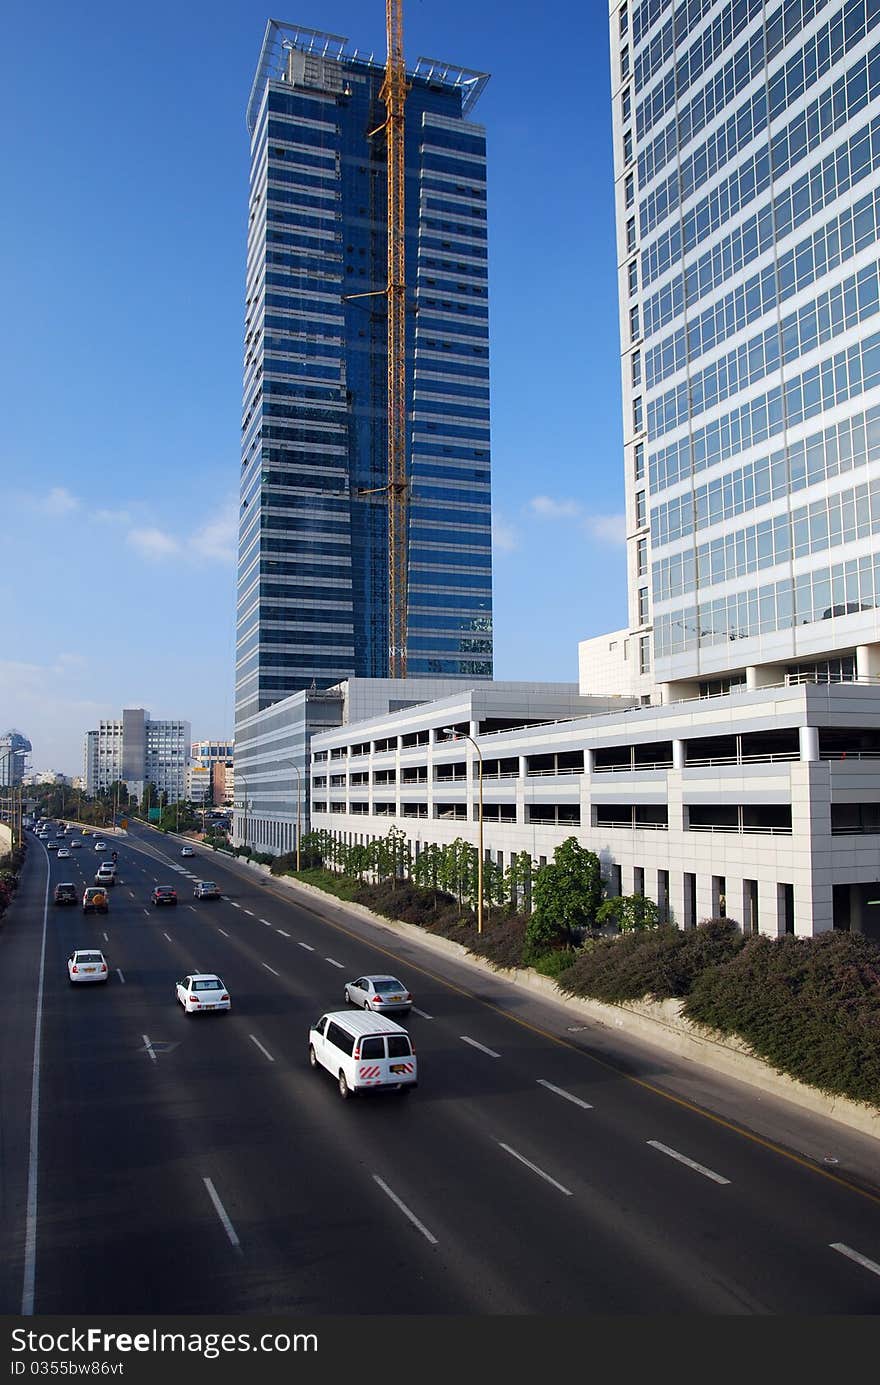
{"x":224,"y":997}
{"x":74,"y":967}
{"x":194,"y":999}
{"x":407,"y":996}
{"x":104,"y":966}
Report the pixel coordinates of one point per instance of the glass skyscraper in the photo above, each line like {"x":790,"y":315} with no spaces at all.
{"x":747,"y":164}
{"x":313,"y":546}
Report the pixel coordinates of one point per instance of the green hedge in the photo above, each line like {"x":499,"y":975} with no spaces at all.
{"x":659,"y":963}
{"x":808,"y":1006}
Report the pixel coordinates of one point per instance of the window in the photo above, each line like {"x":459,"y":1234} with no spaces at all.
{"x":639,"y":461}
{"x":632,"y":277}
{"x":631,"y":235}
{"x":641,"y":557}
{"x":634,"y":322}
{"x":398,"y":1046}
{"x":626,"y":106}
{"x":624,"y":62}
{"x":643,"y":611}
{"x":373,"y":1048}
{"x":636,"y":368}
{"x":629,"y":190}
{"x":641,"y":510}
{"x":627,"y":146}
{"x":638,"y":416}
{"x":624,"y":19}
{"x":644,"y":653}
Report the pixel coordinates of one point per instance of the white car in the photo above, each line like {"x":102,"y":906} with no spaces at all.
{"x":381,"y":994}
{"x":76,"y":842}
{"x":187,"y":851}
{"x":100,"y":846}
{"x":86,"y":965}
{"x":205,"y":889}
{"x":63,"y":854}
{"x":203,"y":991}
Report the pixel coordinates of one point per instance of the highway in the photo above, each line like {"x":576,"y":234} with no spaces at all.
{"x":198,"y":1165}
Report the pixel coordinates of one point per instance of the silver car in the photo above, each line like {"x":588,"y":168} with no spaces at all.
{"x":379,"y":993}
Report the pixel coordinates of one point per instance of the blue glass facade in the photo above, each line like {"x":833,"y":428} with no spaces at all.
{"x":313,"y":565}
{"x":747,"y":154}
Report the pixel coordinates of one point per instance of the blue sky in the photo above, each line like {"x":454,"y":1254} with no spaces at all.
{"x":124,"y":243}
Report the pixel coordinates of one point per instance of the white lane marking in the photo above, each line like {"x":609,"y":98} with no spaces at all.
{"x":165,"y":935}
{"x":281,"y":931}
{"x":147,"y":912}
{"x":234,"y":905}
{"x":307,"y":946}
{"x":267,"y":923}
{"x":253,"y":1038}
{"x":193,"y":907}
{"x":854,"y":1255}
{"x":249,"y":911}
{"x":223,"y":1215}
{"x":422,"y":1013}
{"x":334,"y":964}
{"x":106,"y":939}
{"x":131,"y":894}
{"x":149,"y":1047}
{"x":682,"y":1159}
{"x":30,"y":1237}
{"x":482,"y":1047}
{"x":585,"y":1105}
{"x":272,"y":969}
{"x":119,"y":974}
{"x":405,"y":1210}
{"x":534,"y":1167}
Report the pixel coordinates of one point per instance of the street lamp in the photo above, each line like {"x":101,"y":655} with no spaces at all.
{"x":462,"y":735}
{"x":296,"y":769}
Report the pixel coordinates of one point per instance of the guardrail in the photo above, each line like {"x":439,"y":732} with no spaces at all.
{"x":635,"y":826}
{"x":632,"y":769}
{"x":739,"y":831}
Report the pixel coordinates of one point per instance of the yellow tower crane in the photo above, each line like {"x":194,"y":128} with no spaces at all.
{"x":393,"y":93}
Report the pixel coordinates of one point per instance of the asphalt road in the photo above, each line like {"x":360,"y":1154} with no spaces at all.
{"x":198,"y":1165}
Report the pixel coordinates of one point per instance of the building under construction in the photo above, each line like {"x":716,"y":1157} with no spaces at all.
{"x":314,"y":591}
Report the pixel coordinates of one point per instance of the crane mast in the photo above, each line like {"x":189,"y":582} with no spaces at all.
{"x":393,"y":94}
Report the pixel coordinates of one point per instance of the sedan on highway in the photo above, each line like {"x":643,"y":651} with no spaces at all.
{"x":51,"y":846}
{"x":380,"y":993}
{"x":164,"y":894}
{"x":85,"y":965}
{"x":63,"y":854}
{"x":66,"y":893}
{"x":205,"y":889}
{"x":203,"y":991}
{"x":75,"y":842}
{"x":100,"y":846}
{"x":187,"y":851}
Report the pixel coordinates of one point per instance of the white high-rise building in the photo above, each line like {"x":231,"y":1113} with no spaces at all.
{"x":138,"y":750}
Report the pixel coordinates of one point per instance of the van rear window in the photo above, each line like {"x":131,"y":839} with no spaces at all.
{"x":373,"y":1048}
{"x":398,"y":1046}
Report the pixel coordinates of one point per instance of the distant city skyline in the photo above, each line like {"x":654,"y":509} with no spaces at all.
{"x":121,"y":500}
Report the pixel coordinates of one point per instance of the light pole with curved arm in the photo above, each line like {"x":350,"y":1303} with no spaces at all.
{"x":462,"y":735}
{"x":296,"y":770}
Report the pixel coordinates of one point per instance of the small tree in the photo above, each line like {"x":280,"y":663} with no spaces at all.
{"x":628,"y":913}
{"x":566,"y":895}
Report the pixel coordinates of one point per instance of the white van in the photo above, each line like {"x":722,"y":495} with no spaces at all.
{"x":363,"y":1051}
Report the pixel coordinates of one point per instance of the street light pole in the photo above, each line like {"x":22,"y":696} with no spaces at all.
{"x":296,"y":770}
{"x":462,"y":735}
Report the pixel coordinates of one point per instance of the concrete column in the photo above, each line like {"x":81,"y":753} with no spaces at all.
{"x":678,"y":754}
{"x":809,"y":743}
{"x":763,"y":676}
{"x":589,"y":760}
{"x":868,"y":661}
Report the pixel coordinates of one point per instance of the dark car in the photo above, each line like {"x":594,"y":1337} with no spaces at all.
{"x":66,"y":894}
{"x":164,"y":894}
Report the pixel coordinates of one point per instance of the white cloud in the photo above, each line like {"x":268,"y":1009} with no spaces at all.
{"x":606,"y":528}
{"x":112,"y":516}
{"x":152,"y":543}
{"x":59,"y":501}
{"x":217,"y":539}
{"x":504,"y":536}
{"x":548,"y":508}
